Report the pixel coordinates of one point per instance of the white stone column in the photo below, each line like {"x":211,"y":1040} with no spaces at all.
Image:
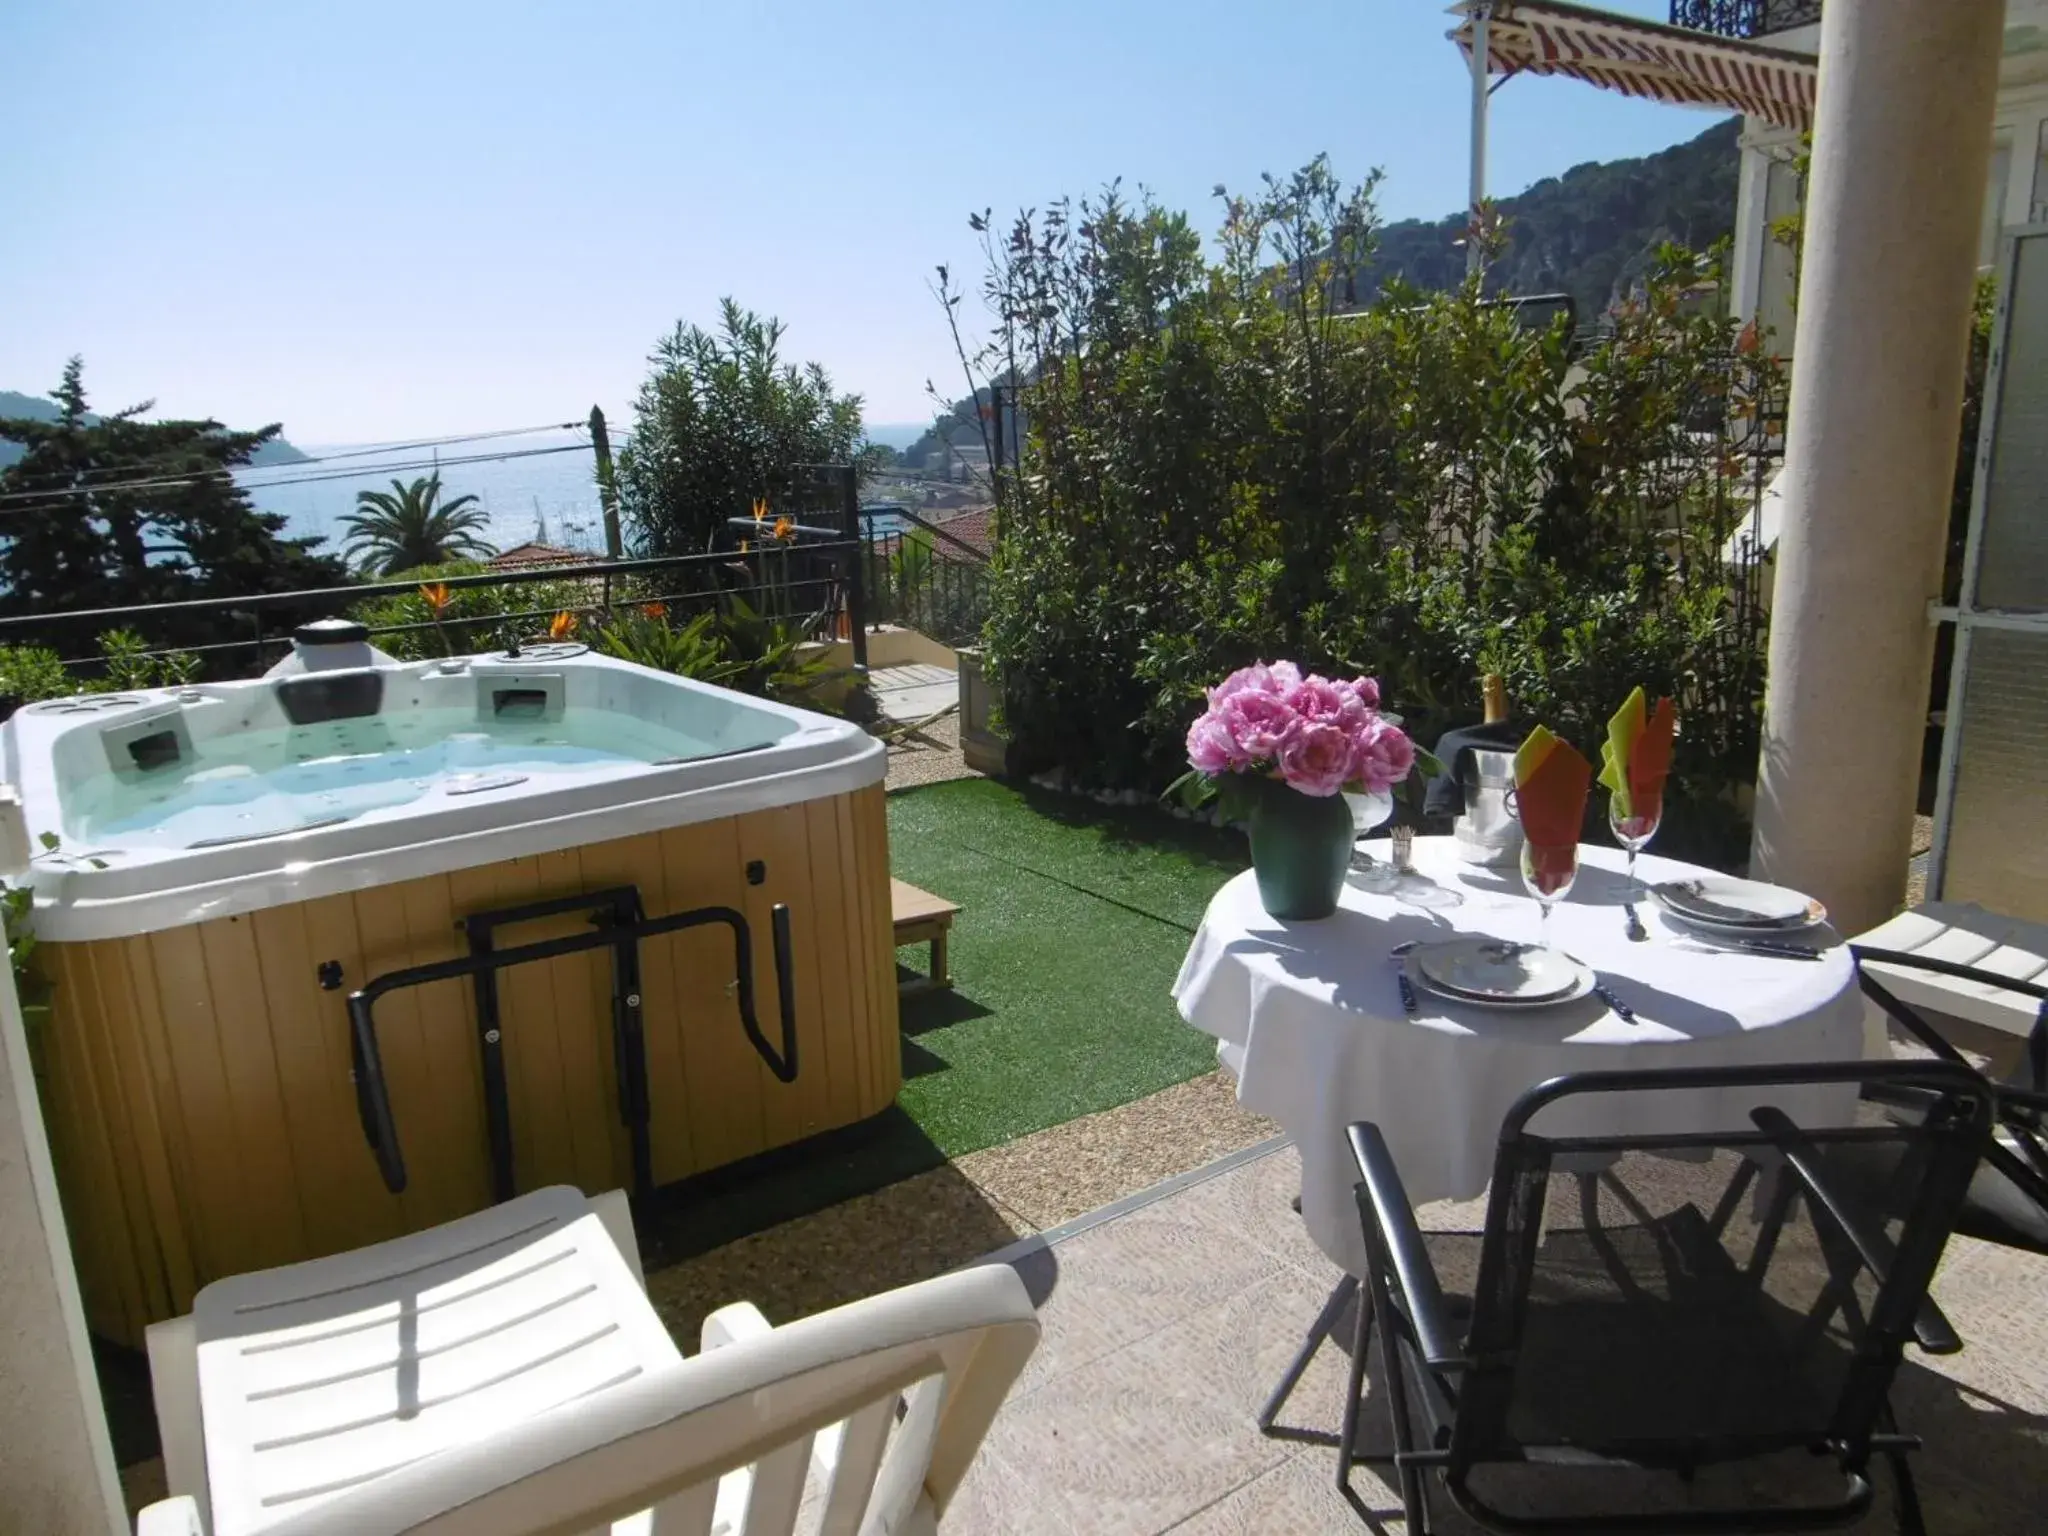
{"x":56,"y":1463}
{"x":1906,"y":100}
{"x":1746,"y":254}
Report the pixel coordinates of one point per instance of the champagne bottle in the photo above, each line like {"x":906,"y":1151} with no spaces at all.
{"x":1495,"y":691}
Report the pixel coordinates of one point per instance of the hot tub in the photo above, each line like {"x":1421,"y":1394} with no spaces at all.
{"x":239,"y":886}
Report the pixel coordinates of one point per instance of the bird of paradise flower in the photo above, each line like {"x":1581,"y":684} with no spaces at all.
{"x":439,"y":599}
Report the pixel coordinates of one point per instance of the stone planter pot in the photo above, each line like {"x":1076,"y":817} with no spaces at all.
{"x":984,"y":748}
{"x":1301,"y":848}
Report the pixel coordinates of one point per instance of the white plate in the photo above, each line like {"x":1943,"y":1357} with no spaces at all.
{"x":1714,"y":901}
{"x":1582,"y":987}
{"x":1496,"y":970}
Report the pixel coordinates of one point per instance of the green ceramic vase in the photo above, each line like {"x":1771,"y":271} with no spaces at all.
{"x":1301,"y":847}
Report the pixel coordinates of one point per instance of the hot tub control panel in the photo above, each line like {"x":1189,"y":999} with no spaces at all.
{"x":519,"y":695}
{"x":157,"y":740}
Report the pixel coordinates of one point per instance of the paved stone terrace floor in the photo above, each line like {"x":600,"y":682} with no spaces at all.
{"x":1169,"y":1316}
{"x":914,"y":691}
{"x":1166,"y":1326}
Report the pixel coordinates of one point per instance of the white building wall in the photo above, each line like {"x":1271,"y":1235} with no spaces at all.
{"x":56,"y":1464}
{"x":1762,"y":278}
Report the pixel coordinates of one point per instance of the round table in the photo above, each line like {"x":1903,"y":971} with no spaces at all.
{"x":1308,"y":1019}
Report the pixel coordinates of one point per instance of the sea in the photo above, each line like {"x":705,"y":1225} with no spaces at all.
{"x":539,"y":487}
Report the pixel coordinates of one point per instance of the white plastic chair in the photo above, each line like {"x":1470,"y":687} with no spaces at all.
{"x":505,"y":1374}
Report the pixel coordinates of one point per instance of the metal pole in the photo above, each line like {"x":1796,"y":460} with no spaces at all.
{"x":856,"y":586}
{"x":995,"y":469}
{"x":1482,"y":13}
{"x":607,"y":485}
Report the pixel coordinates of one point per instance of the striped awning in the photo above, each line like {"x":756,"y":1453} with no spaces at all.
{"x":1644,"y":58}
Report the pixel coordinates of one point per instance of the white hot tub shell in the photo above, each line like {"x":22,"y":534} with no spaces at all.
{"x":212,"y":877}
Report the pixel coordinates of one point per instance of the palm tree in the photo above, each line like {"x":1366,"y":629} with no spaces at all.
{"x":410,"y":526}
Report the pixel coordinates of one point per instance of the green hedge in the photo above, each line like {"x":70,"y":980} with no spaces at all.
{"x":1222,"y":464}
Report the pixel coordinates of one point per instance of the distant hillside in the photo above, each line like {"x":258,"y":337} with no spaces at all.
{"x":1589,"y":232}
{"x":36,"y":408}
{"x":958,"y":425}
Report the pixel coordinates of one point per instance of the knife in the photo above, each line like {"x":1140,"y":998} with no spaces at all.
{"x":1782,"y":951}
{"x":1410,"y":1003}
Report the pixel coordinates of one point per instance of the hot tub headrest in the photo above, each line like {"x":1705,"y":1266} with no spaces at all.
{"x":315,"y":699}
{"x":331,"y":645}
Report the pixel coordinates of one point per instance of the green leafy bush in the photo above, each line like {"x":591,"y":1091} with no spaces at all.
{"x":31,"y":672}
{"x":433,"y":621}
{"x":735,"y":645}
{"x":768,"y":653}
{"x":721,"y":423}
{"x":17,"y":915}
{"x":1224,"y":463}
{"x":643,"y":634}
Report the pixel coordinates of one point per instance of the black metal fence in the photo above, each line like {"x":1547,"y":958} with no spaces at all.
{"x":811,"y":578}
{"x":809,"y":583}
{"x":1744,"y":18}
{"x":923,"y":577}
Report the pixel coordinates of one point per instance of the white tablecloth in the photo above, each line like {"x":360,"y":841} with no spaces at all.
{"x":1308,"y":1019}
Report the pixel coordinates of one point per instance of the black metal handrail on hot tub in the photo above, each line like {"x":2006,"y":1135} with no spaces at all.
{"x":620,"y":926}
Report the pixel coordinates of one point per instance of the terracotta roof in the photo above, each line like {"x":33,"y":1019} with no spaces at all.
{"x":976,"y":529}
{"x":522,"y":556}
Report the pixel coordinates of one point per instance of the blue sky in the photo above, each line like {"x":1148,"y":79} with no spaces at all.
{"x":378,"y":220}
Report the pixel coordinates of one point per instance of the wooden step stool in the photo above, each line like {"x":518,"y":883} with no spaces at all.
{"x":922,"y":918}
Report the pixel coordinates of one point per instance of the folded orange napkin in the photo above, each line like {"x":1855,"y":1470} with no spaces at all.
{"x":1551,"y":780}
{"x":1635,"y":758}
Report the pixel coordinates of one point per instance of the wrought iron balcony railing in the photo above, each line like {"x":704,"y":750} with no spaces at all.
{"x":1744,"y":18}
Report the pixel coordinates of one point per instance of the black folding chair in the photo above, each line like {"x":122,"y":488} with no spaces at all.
{"x":2008,"y":1198}
{"x":1670,"y":1329}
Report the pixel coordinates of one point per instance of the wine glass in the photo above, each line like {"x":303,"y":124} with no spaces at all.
{"x":1367,"y":812}
{"x":1634,"y":834}
{"x":1549,"y":873}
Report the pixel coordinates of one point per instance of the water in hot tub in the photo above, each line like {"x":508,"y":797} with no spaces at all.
{"x":250,"y":784}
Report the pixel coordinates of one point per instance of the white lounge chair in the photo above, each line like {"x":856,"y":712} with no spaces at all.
{"x":505,"y":1374}
{"x":1961,"y":933}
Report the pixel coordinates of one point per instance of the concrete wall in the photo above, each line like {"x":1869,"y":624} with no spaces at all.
{"x":56,"y":1462}
{"x":894,"y":646}
{"x":891,"y":646}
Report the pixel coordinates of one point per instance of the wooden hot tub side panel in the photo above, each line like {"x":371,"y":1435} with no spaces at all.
{"x":199,"y":1092}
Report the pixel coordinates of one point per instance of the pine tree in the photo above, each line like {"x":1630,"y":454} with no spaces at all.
{"x":113,"y":511}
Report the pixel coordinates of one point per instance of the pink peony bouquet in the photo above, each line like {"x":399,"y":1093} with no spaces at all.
{"x":1311,"y":733}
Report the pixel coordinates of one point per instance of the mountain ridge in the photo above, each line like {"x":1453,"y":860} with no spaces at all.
{"x":1590,"y":231}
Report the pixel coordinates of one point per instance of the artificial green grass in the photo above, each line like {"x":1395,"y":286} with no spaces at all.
{"x":1074,"y":920}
